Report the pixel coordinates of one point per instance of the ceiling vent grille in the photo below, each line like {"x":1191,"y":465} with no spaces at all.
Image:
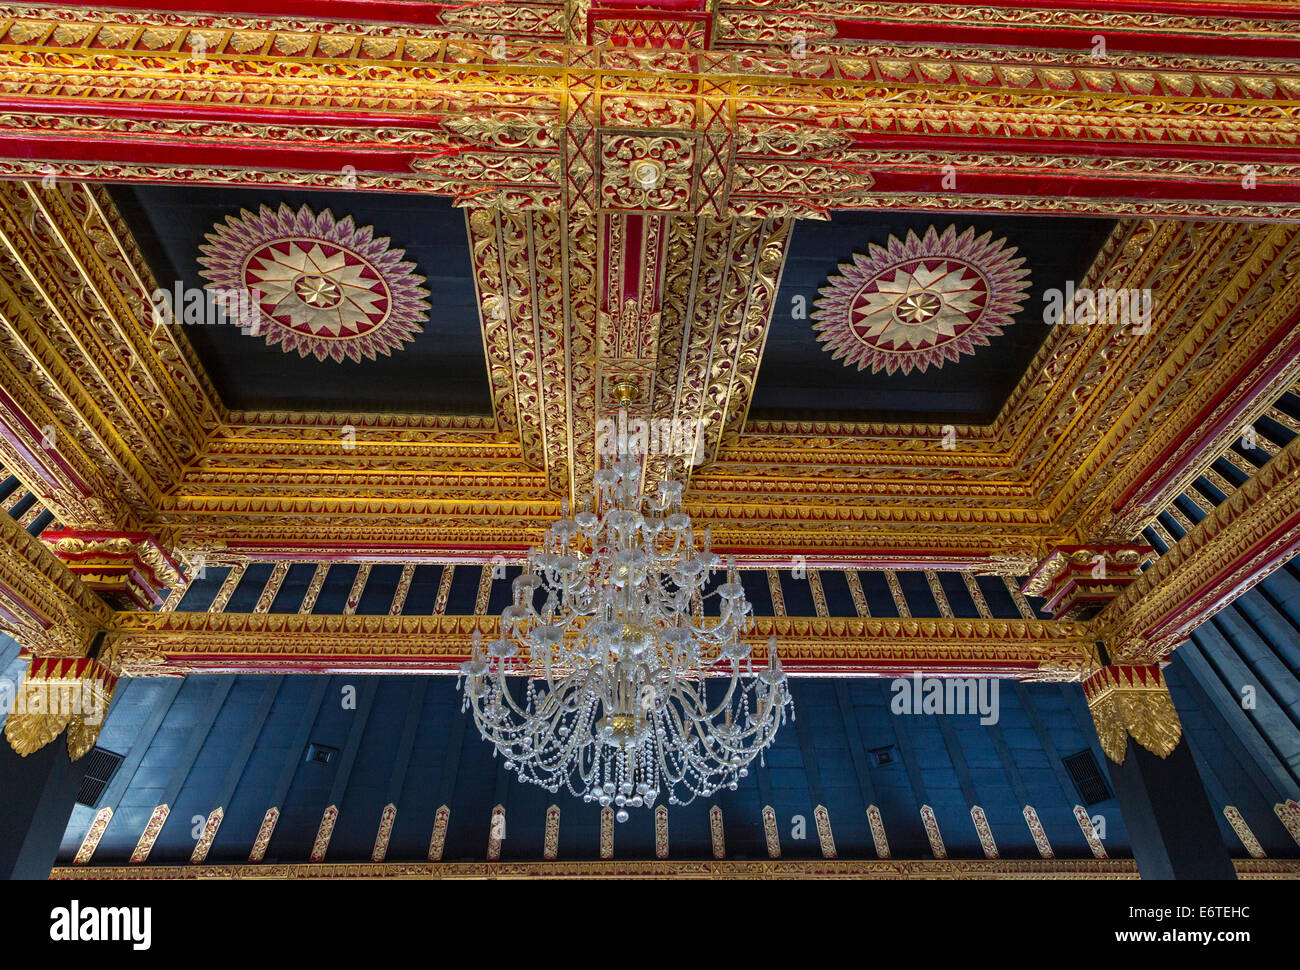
{"x":99,"y":772}
{"x":884,"y":756}
{"x":320,"y":754}
{"x":1087,"y":777}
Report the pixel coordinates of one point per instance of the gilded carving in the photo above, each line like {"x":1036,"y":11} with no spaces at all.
{"x":1132,"y":701}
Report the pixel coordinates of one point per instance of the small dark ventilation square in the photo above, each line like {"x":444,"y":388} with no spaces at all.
{"x":319,"y":754}
{"x":99,"y":772}
{"x":884,"y":756}
{"x":1087,"y":777}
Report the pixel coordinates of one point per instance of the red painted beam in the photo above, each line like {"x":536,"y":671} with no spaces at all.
{"x":973,"y":184}
{"x":1205,"y":44}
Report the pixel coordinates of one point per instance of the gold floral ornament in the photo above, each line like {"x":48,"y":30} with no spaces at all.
{"x":1132,"y":700}
{"x":321,"y":286}
{"x":921,"y":301}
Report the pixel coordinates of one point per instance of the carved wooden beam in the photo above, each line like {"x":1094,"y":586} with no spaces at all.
{"x":764,"y":112}
{"x":668,"y":869}
{"x":161,"y":643}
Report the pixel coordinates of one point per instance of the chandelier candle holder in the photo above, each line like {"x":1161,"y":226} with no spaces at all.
{"x":601,"y":678}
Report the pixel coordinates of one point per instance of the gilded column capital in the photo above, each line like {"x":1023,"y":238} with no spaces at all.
{"x":1132,"y":700}
{"x":59,"y":693}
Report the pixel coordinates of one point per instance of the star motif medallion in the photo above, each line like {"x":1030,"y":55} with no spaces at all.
{"x":323,"y":287}
{"x":920,"y":302}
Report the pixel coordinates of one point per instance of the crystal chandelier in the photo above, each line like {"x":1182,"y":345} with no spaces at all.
{"x":612,"y":698}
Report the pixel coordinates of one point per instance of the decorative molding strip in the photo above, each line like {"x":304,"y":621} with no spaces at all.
{"x":936,"y":590}
{"x":1022,"y":604}
{"x":896,"y":591}
{"x":824,"y":835}
{"x":174,"y":597}
{"x":264,"y":833}
{"x":313,"y":589}
{"x":358,"y":588}
{"x":161,"y":644}
{"x":438,"y":840}
{"x":661,"y":831}
{"x":96,"y":832}
{"x":1037,"y":831}
{"x":444,"y":590}
{"x":818,"y":594}
{"x":403,"y":588}
{"x":716,"y":833}
{"x":386,"y":819}
{"x":1089,"y":833}
{"x":770,"y":833}
{"x":607,"y":833}
{"x":150,"y":834}
{"x":272,"y":586}
{"x":877,"y":823}
{"x":1288,"y":814}
{"x":932,"y":832}
{"x":985,"y":833}
{"x":204,"y":844}
{"x":227,"y":587}
{"x":976,"y":594}
{"x":551,"y":841}
{"x":774,"y":587}
{"x":1238,"y":823}
{"x":323,"y":834}
{"x":855,"y":590}
{"x":496,"y":832}
{"x":484,"y":590}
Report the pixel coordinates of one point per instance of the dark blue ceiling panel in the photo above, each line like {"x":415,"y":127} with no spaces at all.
{"x":440,"y":371}
{"x":799,"y":379}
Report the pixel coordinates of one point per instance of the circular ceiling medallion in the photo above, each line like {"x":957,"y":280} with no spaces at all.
{"x":323,"y":287}
{"x":920,"y":302}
